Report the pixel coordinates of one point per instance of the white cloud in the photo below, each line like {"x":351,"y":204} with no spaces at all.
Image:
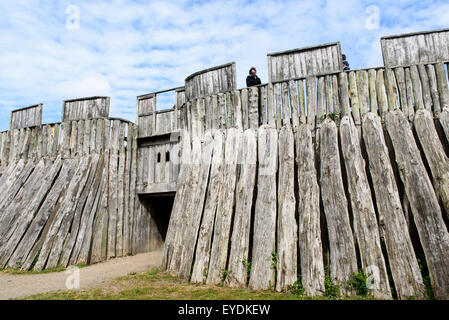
{"x":127,"y":48}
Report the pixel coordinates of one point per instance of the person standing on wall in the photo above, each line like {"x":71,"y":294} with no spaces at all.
{"x":253,"y":79}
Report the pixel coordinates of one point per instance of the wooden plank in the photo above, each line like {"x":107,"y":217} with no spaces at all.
{"x":380,"y":90}
{"x":311,"y":98}
{"x":417,"y":88}
{"x":27,"y":209}
{"x":287,"y":236}
{"x":372,"y":90}
{"x":240,"y":239}
{"x":264,"y":238}
{"x":364,"y":216}
{"x":427,"y":97}
{"x":253,"y":110}
{"x":113,"y":190}
{"x":425,"y":208}
{"x":436,"y":107}
{"x":343,"y":261}
{"x":202,"y":255}
{"x":434,"y":153}
{"x":308,"y":204}
{"x":225,"y":212}
{"x":277,"y":96}
{"x":404,"y":266}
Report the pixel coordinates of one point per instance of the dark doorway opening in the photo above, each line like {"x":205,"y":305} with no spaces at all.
{"x":158,"y":207}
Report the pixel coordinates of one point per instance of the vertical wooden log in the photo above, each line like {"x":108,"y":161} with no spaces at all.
{"x":202,"y":256}
{"x":113,"y":190}
{"x":410,"y":96}
{"x":238,"y":110}
{"x":391,"y":89}
{"x":355,"y":104}
{"x":425,"y":208}
{"x":400,"y":77}
{"x":363,"y":92}
{"x":245,"y":109}
{"x":240,"y":239}
{"x":294,"y":104}
{"x":380,"y":90}
{"x":277,"y":96}
{"x":364,"y":217}
{"x":311,"y":96}
{"x":403,"y":263}
{"x":434,"y":153}
{"x":287,"y":237}
{"x":436,"y":107}
{"x":310,"y":248}
{"x":270,"y":106}
{"x":344,"y":93}
{"x":444,"y":97}
{"x":427,"y":98}
{"x":264,"y":238}
{"x":194,"y":209}
{"x":226,"y":201}
{"x":302,"y":106}
{"x":343,"y":262}
{"x":253,"y":108}
{"x":372,"y":90}
{"x":417,"y":88}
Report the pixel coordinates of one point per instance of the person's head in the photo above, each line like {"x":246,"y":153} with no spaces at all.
{"x":343,"y":56}
{"x":252,"y":71}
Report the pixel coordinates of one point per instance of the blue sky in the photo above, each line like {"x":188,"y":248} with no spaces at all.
{"x":125,"y":48}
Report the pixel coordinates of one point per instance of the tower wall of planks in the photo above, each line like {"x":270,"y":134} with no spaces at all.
{"x":319,"y":173}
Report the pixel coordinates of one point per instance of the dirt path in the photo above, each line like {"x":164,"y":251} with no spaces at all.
{"x":19,"y":286}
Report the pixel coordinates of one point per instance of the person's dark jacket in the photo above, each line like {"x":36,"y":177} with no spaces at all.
{"x":253,"y":81}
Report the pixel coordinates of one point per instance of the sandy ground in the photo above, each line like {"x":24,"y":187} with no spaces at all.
{"x":19,"y":286}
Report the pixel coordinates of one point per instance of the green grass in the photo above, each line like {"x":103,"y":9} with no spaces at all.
{"x":157,"y":285}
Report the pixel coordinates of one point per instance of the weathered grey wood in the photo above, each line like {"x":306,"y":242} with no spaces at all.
{"x":364,"y":216}
{"x":417,"y":88}
{"x":425,"y":208}
{"x":53,"y":242}
{"x":183,"y":204}
{"x":270,"y":105}
{"x":355,"y":103}
{"x":410,"y":95}
{"x":436,"y":107}
{"x":264,"y":237}
{"x":302,"y":107}
{"x":427,"y":98}
{"x":178,"y":204}
{"x":32,"y":241}
{"x":287,"y":236}
{"x":277,"y":98}
{"x":380,"y":90}
{"x":202,"y":255}
{"x":308,"y":204}
{"x":101,"y":222}
{"x":225,"y":212}
{"x":343,"y":261}
{"x":27,"y":210}
{"x":311,"y":105}
{"x":120,"y":190}
{"x":343,"y":90}
{"x":294,"y":104}
{"x":113,"y":190}
{"x":404,"y":267}
{"x":84,"y":240}
{"x":253,"y":112}
{"x":391,"y":89}
{"x":194,"y":209}
{"x":240,"y":239}
{"x":71,"y":216}
{"x":434,"y":153}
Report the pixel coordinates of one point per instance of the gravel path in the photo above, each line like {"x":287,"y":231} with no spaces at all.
{"x":23,"y":285}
